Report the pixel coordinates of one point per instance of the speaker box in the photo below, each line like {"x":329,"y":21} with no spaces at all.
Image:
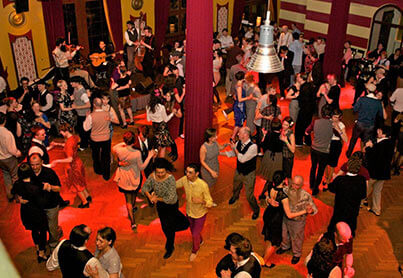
{"x":21,"y":6}
{"x":144,"y":86}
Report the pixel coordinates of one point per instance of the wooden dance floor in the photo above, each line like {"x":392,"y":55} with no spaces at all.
{"x":377,"y":248}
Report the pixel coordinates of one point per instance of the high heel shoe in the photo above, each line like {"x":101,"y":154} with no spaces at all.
{"x":89,"y":199}
{"x":269,"y":266}
{"x":42,"y":259}
{"x":86,"y":205}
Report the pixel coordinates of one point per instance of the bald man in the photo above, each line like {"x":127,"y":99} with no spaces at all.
{"x":246,"y":152}
{"x":294,"y":229}
{"x":99,"y":122}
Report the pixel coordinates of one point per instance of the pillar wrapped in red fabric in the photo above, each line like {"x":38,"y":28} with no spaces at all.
{"x":199,"y":75}
{"x":336,"y":37}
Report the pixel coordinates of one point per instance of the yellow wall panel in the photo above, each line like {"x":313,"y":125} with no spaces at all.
{"x":298,"y":2}
{"x":362,"y":10}
{"x":315,"y":26}
{"x":294,"y":16}
{"x":34,"y":22}
{"x":358,"y":31}
{"x":319,"y":6}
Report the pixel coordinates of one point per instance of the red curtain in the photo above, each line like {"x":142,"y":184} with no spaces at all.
{"x":336,"y":37}
{"x":161,"y":10}
{"x":199,"y":76}
{"x":239,"y":6}
{"x":54,"y":22}
{"x":113,"y":14}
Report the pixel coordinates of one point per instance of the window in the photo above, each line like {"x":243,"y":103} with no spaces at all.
{"x":176,"y":21}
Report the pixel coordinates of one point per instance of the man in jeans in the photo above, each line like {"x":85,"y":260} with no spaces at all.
{"x":368,"y":108}
{"x":82,"y":105}
{"x":322,"y":135}
{"x":49,"y":182}
{"x":8,"y":157}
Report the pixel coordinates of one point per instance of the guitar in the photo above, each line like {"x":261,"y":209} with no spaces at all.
{"x":98,"y":58}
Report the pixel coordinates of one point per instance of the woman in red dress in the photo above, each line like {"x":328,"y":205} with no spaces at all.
{"x":75,"y":172}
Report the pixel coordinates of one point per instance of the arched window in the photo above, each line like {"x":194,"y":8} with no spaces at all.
{"x":387,"y":28}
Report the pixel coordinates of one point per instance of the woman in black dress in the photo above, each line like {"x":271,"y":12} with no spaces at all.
{"x":278,"y":204}
{"x":122,"y":86}
{"x":33,"y":216}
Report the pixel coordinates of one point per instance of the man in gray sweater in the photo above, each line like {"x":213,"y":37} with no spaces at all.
{"x":322,"y":136}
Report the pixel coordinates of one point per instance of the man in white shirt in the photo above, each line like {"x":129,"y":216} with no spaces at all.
{"x":285,"y":38}
{"x":226,"y":40}
{"x":72,"y":256}
{"x":245,"y":151}
{"x":8,"y":156}
{"x":61,"y":57}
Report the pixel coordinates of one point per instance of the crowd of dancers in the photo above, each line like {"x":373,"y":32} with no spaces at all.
{"x":35,"y":120}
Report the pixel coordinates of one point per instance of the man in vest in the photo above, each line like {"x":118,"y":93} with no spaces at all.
{"x":131,"y":38}
{"x":247,"y":266}
{"x":37,"y":143}
{"x":99,"y":121}
{"x":246,"y":152}
{"x":72,"y":256}
{"x":46,"y":100}
{"x":82,"y":105}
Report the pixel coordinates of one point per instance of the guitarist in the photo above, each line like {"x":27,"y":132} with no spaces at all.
{"x":131,"y":37}
{"x":103,"y":72}
{"x":149,"y":44}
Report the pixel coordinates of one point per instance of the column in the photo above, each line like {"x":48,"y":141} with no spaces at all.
{"x":336,"y":36}
{"x":199,"y":76}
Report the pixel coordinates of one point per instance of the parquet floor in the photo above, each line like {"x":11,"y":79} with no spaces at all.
{"x":377,"y":250}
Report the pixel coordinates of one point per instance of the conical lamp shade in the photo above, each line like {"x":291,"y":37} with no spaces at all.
{"x":265,"y":59}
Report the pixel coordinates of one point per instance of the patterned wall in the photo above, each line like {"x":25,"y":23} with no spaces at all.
{"x":222,"y":17}
{"x":24,"y":56}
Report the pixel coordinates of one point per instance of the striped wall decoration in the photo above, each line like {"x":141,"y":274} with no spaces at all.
{"x":312,"y":17}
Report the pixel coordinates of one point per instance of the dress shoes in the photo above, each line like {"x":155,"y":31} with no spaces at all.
{"x":168,"y":253}
{"x":232,"y":200}
{"x":282,"y":251}
{"x":86,"y":205}
{"x":295,"y":260}
{"x":255,"y":215}
{"x":64,"y":204}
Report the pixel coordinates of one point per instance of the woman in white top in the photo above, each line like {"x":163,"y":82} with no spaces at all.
{"x":128,"y":173}
{"x":157,"y":114}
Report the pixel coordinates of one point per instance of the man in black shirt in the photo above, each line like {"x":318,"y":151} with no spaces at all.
{"x":48,"y":180}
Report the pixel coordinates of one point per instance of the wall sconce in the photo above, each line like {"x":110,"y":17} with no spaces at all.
{"x":258,"y":21}
{"x":172,"y":28}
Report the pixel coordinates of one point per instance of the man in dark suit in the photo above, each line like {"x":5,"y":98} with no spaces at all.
{"x":317,"y":71}
{"x":284,"y":77}
{"x":382,"y":85}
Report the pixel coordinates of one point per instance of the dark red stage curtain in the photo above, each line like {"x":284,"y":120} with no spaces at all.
{"x":199,"y":76}
{"x":54,"y":22}
{"x":239,"y":6}
{"x":336,"y":37}
{"x":161,"y":10}
{"x":113,"y":14}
